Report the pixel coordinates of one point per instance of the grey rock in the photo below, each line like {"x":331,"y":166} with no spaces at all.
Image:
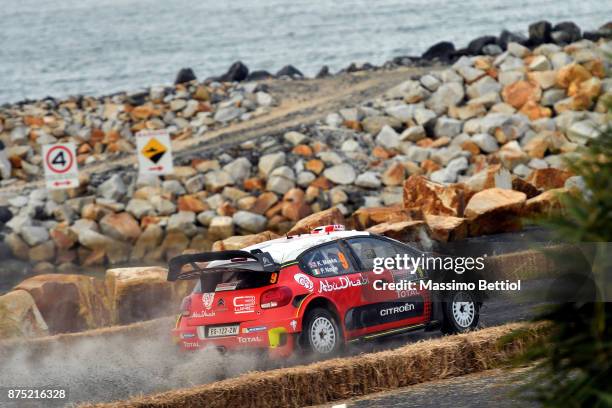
{"x":341,"y":174}
{"x":295,"y":138}
{"x":448,"y":94}
{"x":216,"y":180}
{"x":173,"y":187}
{"x":447,"y":127}
{"x":415,"y":153}
{"x":521,"y":170}
{"x":413,"y":134}
{"x":139,"y":208}
{"x":239,"y":169}
{"x":482,"y":87}
{"x":195,"y":184}
{"x":182,"y":221}
{"x":269,"y":162}
{"x":486,"y":142}
{"x":422,"y":116}
{"x":113,"y":189}
{"x":205,"y":217}
{"x":304,"y":178}
{"x":227,"y":114}
{"x":34,"y":235}
{"x":388,"y":138}
{"x":369,"y":179}
{"x":249,"y":221}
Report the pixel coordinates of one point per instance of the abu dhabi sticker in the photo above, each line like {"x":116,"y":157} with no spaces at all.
{"x":208,"y":299}
{"x":303,"y":280}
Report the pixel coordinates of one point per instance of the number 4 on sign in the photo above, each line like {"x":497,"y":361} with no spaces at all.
{"x":60,"y":166}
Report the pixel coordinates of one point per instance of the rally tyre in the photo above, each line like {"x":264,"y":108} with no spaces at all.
{"x":461,"y":312}
{"x":321,"y":335}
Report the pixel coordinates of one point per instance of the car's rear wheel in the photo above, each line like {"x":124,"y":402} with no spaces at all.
{"x":461,"y":313}
{"x":321,"y":334}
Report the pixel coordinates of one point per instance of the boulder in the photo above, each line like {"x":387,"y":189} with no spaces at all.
{"x":242,"y":241}
{"x":341,"y":174}
{"x":184,"y":75}
{"x":20,"y":317}
{"x":518,"y":93}
{"x":365,"y":218}
{"x":405,"y":231}
{"x":539,"y":33}
{"x":446,"y":228}
{"x":422,"y":196}
{"x":326,"y":217}
{"x":150,"y":239}
{"x":494,"y":210}
{"x":547,"y":203}
{"x":69,"y":303}
{"x":549,"y":178}
{"x":221,"y":227}
{"x":121,"y":226}
{"x":442,"y":51}
{"x":492,"y":176}
{"x":237,"y":72}
{"x":143,"y":293}
{"x":250,"y":222}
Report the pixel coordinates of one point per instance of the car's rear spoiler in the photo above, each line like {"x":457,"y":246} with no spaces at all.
{"x":175,"y":265}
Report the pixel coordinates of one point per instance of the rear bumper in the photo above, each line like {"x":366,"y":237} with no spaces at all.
{"x":278,"y":339}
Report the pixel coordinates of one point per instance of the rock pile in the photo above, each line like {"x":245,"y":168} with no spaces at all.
{"x":506,"y":121}
{"x":105,"y":127}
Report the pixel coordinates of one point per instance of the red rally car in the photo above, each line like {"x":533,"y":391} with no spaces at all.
{"x":316,"y":292}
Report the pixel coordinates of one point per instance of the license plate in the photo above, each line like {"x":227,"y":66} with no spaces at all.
{"x":222,"y":331}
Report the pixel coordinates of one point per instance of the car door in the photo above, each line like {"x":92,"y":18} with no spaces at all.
{"x":335,"y":274}
{"x":387,"y":309}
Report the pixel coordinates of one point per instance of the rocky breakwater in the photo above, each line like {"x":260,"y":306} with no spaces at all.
{"x":510,"y":120}
{"x":104,"y":127}
{"x":461,"y":151}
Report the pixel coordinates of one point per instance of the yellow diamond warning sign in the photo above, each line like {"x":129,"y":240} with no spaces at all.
{"x":154,"y":152}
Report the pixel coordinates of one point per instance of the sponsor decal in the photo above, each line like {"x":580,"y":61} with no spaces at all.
{"x":255,"y":339}
{"x":293,"y":324}
{"x":190,"y":344}
{"x":221,"y":302}
{"x":187,"y":336}
{"x":244,"y":304}
{"x":343,"y":282}
{"x":206,"y":313}
{"x":221,"y":287}
{"x":208,"y":299}
{"x":406,"y":307}
{"x":254,"y":329}
{"x":304,"y":280}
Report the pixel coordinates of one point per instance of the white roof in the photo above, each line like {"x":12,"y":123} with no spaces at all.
{"x":286,"y":249}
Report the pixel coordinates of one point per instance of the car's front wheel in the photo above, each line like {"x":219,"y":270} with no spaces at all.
{"x":321,"y":334}
{"x":461,"y":313}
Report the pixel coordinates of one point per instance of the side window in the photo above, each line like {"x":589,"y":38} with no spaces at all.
{"x":367,"y":249}
{"x":326,"y":260}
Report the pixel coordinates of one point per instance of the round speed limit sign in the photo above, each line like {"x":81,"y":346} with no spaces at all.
{"x":60,"y":166}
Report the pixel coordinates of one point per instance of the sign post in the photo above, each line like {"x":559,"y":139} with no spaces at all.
{"x":60,"y":165}
{"x":154,"y":152}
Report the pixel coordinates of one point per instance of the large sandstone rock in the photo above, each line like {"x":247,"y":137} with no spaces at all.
{"x":549,"y":178}
{"x":422,"y":196}
{"x":405,"y":231}
{"x":69,"y":303}
{"x":494,"y":210}
{"x":143,"y":293}
{"x":243,"y":241}
{"x":492,"y":176}
{"x":546,"y":203}
{"x":446,"y":228}
{"x":20,"y":317}
{"x":326,"y":217}
{"x":365,"y":218}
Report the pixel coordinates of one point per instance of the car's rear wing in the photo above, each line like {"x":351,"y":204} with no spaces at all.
{"x":264,"y":260}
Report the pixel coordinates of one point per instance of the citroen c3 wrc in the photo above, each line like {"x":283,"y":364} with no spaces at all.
{"x":313,"y":292}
